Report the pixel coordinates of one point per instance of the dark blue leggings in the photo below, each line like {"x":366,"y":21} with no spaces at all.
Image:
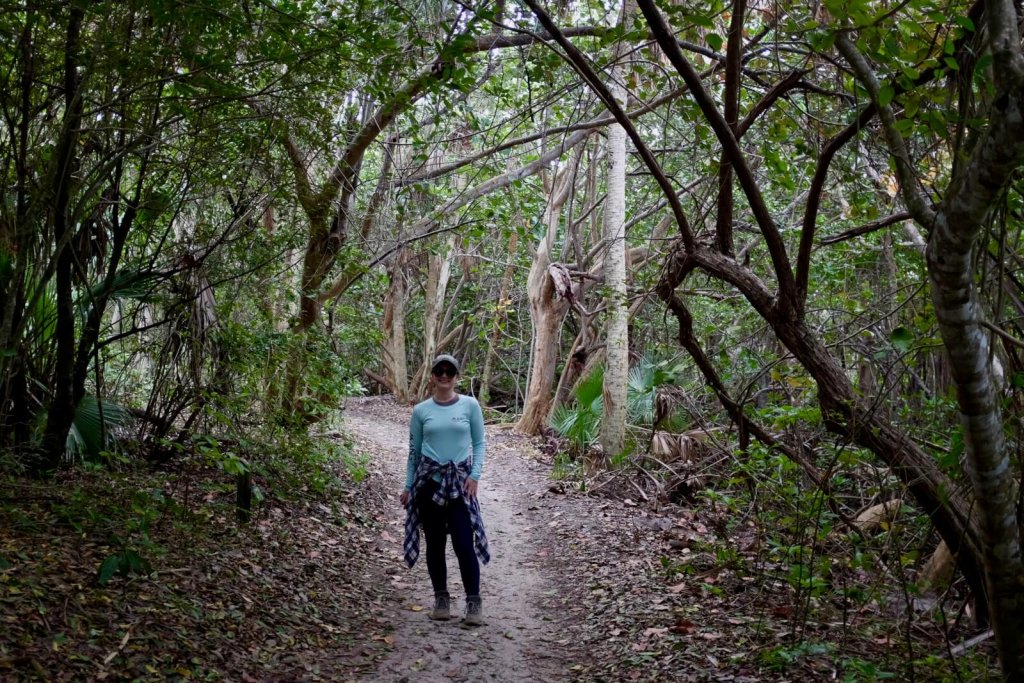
{"x":438,"y":522}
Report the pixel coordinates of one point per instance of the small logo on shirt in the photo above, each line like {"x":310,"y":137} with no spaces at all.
{"x":460,"y":418}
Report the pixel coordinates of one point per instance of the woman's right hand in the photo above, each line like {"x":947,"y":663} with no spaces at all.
{"x":404,"y":498}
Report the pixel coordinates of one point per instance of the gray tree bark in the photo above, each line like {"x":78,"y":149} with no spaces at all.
{"x":616,"y":373}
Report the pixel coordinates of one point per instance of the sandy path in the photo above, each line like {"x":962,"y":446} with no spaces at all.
{"x":517,"y":643}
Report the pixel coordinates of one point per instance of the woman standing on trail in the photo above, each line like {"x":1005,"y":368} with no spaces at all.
{"x":446,"y":457}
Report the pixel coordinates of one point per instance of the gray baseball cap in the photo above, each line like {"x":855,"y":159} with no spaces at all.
{"x":445,"y":358}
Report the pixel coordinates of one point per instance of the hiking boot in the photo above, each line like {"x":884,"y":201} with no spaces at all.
{"x":474,"y":612}
{"x":442,"y":608}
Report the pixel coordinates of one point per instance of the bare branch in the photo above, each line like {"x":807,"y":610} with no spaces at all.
{"x":773,"y":238}
{"x":867,"y":228}
{"x":592,"y":124}
{"x":579,"y":62}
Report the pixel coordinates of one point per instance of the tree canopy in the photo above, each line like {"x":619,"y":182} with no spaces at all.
{"x":793,"y":226}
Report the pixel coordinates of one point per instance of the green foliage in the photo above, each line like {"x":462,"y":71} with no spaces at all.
{"x":581,"y":423}
{"x":782,"y":657}
{"x":189,"y":106}
{"x":901,"y":339}
{"x":124,"y":564}
{"x":295,"y":461}
{"x":642,"y":383}
{"x":94,"y":426}
{"x":565,"y":467}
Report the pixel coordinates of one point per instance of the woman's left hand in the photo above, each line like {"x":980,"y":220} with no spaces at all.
{"x":471,"y":485}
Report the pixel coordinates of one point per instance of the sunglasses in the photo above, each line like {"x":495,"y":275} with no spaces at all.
{"x":445,"y":370}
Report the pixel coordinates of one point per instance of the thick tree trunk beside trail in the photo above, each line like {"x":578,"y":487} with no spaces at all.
{"x":547,"y":311}
{"x":547,"y":314}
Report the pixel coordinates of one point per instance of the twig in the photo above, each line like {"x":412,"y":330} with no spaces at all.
{"x":1002,"y":334}
{"x":971,"y":642}
{"x":637,"y":487}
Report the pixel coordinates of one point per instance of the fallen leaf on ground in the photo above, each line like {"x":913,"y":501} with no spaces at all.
{"x":683,"y":626}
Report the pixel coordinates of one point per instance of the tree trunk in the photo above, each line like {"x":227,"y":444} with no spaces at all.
{"x":500,"y":316}
{"x":318,"y":257}
{"x":16,"y":240}
{"x":62,"y":407}
{"x":547,"y":314}
{"x":960,"y":317}
{"x":395,"y":364}
{"x":439,"y":271}
{"x":992,"y":162}
{"x":616,"y":373}
{"x":576,"y":362}
{"x":546,"y":310}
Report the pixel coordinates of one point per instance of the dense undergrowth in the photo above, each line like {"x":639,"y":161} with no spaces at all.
{"x":745,"y":581}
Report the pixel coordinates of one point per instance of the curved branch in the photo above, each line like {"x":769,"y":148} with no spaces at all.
{"x":803,"y":257}
{"x":346,"y":167}
{"x":731,"y":148}
{"x":791,"y":82}
{"x":912,"y":193}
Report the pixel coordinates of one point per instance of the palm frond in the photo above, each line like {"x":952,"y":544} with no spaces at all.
{"x":590,"y":390}
{"x":641,"y":387}
{"x":91,"y":427}
{"x":578,"y":425}
{"x":641,"y":376}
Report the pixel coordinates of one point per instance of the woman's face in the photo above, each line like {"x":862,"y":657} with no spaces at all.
{"x":444,"y":375}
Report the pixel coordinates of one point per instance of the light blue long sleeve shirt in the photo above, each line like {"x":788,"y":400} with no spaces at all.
{"x":446,"y":433}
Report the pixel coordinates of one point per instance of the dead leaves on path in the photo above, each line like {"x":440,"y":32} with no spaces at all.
{"x":284,"y":599}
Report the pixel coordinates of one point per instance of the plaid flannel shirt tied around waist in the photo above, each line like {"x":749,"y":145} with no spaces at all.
{"x":453,"y":487}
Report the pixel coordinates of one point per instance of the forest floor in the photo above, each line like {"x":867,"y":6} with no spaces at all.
{"x":581,"y":587}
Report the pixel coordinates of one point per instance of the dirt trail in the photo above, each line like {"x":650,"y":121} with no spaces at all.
{"x":519,"y":641}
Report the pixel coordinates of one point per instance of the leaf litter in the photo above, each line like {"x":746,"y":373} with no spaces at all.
{"x":582,"y":588}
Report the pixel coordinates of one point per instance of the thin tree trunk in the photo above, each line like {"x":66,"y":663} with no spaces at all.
{"x":734,"y":55}
{"x":497,"y":322}
{"x":439,"y":270}
{"x":397,"y":371}
{"x":613,"y":417}
{"x":18,"y":242}
{"x":62,"y":407}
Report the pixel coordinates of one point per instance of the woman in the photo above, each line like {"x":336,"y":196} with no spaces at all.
{"x":446,"y":457}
